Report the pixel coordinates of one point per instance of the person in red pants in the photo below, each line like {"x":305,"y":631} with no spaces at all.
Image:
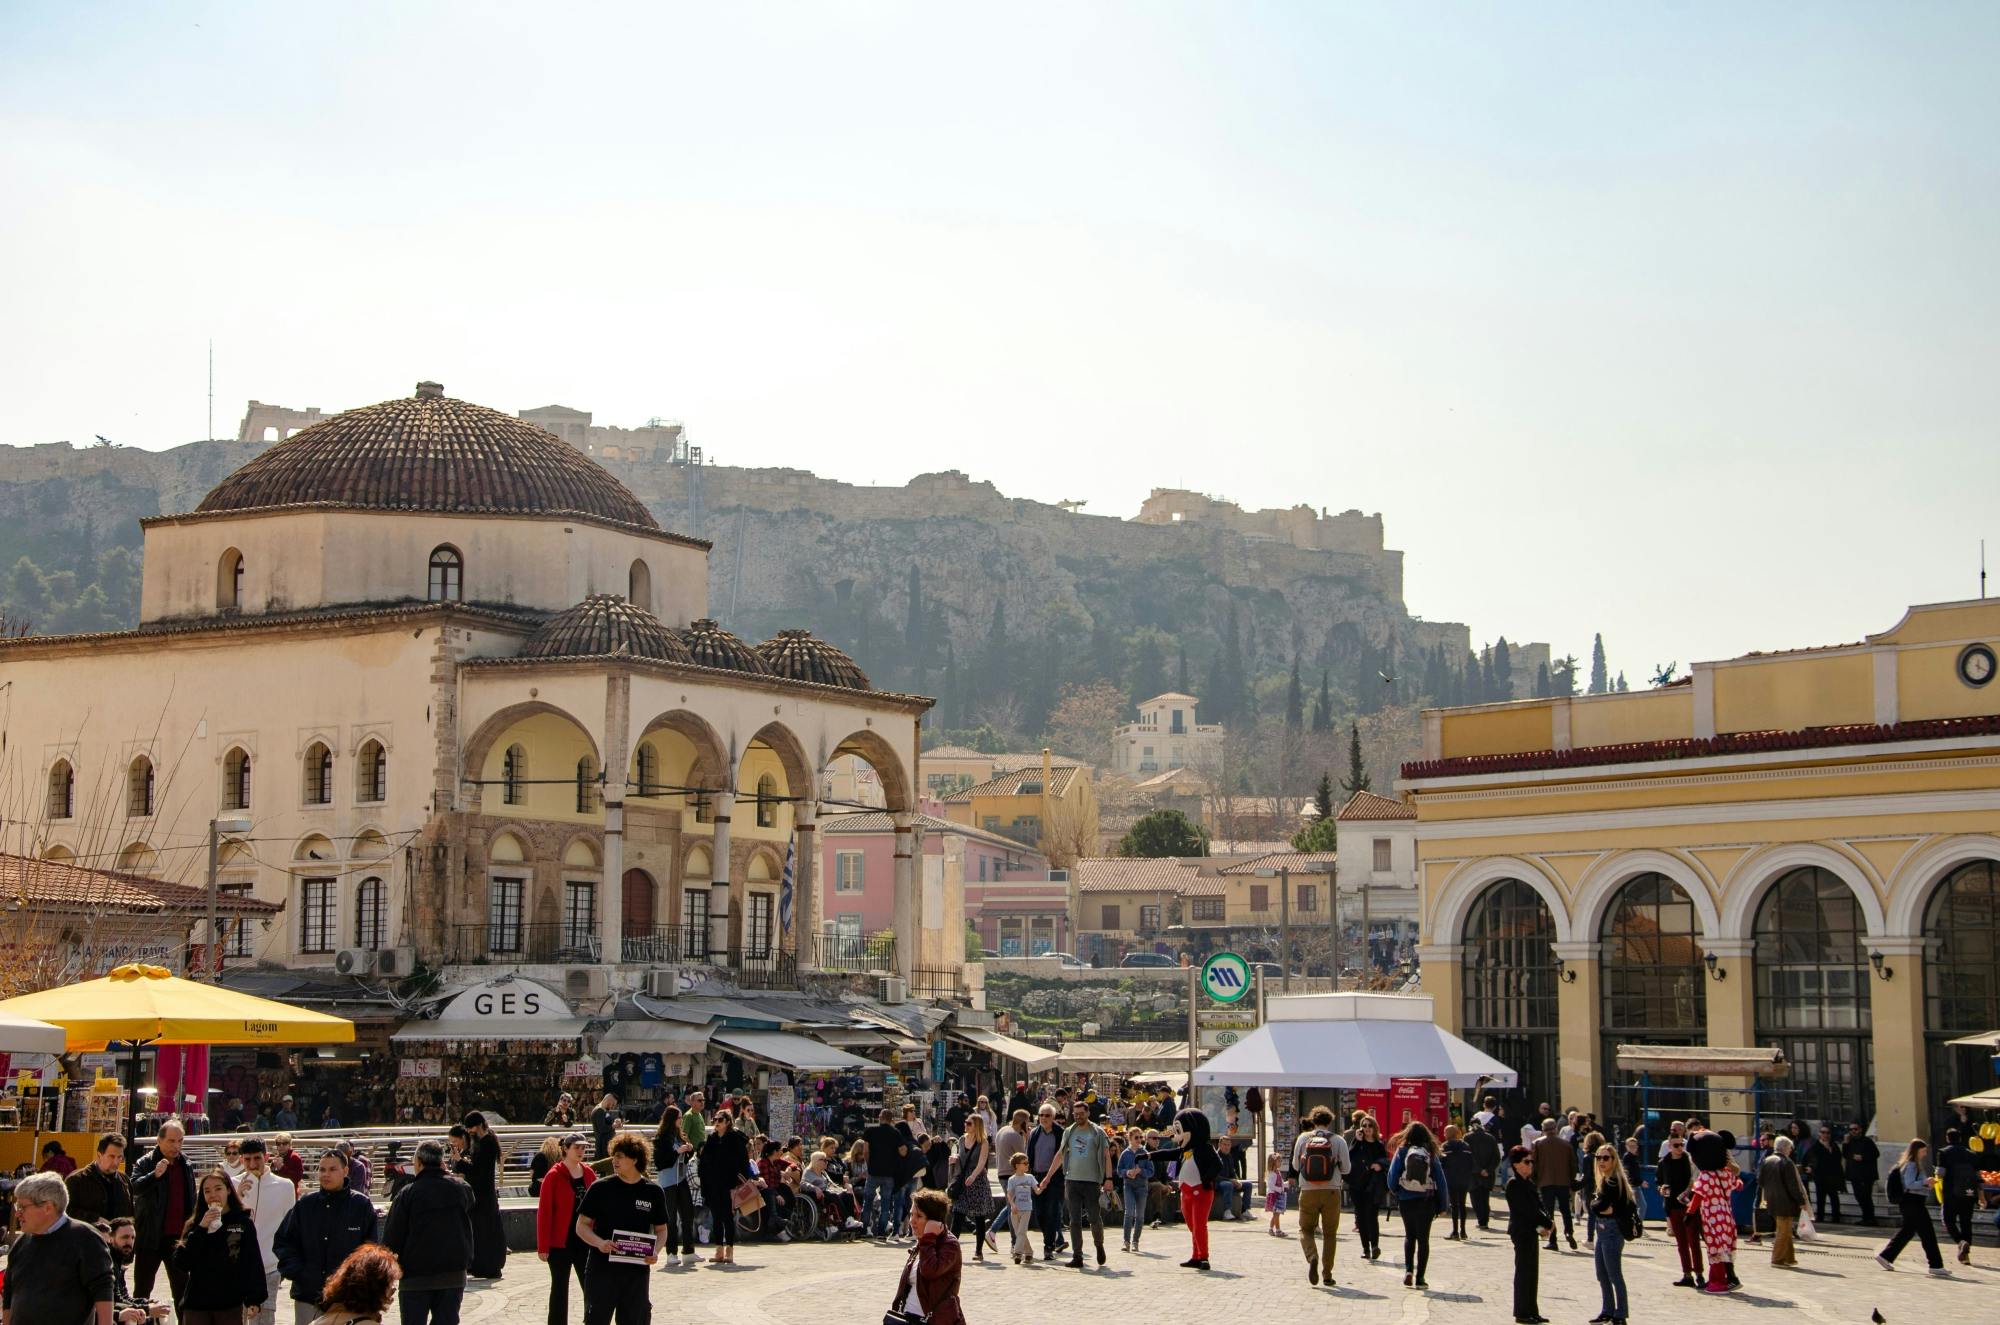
{"x":1200,"y":1168}
{"x":1676,"y":1178}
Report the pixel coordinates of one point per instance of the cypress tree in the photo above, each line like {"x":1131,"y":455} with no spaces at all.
{"x":1503,"y":670}
{"x":1323,"y":796}
{"x":1323,"y":706}
{"x":1295,"y":701}
{"x":1545,"y":685}
{"x":914,"y":621}
{"x":1357,"y":772}
{"x":1600,"y":675}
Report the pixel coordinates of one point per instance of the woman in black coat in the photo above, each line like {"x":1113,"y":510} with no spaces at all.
{"x":217,"y":1254}
{"x":1196,"y":1149}
{"x":723,"y":1163}
{"x":1525,"y":1229}
{"x":1367,"y":1180}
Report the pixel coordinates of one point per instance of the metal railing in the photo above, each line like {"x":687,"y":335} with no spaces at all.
{"x":855,"y":954}
{"x":551,"y":944}
{"x":935,"y":982}
{"x":751,"y":966}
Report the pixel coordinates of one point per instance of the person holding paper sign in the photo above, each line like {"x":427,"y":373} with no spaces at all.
{"x":621,"y":1220}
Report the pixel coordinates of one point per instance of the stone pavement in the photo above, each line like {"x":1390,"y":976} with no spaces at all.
{"x":1261,"y":1279}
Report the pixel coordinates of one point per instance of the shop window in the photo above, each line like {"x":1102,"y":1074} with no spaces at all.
{"x":316,"y":913}
{"x":371,"y":774}
{"x":139,"y":789}
{"x":62,"y":790}
{"x":447,"y":575}
{"x":236,"y":780}
{"x":503,"y":915}
{"x":514,"y":776}
{"x":318,"y":774}
{"x":850,"y":871}
{"x":1012,"y":940}
{"x":371,"y":915}
{"x":767,"y":801}
{"x":1041,"y":937}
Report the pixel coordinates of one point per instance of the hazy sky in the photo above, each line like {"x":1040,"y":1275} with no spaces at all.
{"x":1671,"y":321}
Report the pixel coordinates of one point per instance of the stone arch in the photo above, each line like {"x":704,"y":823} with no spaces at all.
{"x":581,"y":852}
{"x":510,"y":846}
{"x":791,"y":753}
{"x":480,"y":744}
{"x":763,"y":859}
{"x":698,"y":862}
{"x":1600,"y":884}
{"x":369,"y":844}
{"x":1918,"y":876}
{"x":138,"y":858}
{"x":1463,"y":885}
{"x":1753,"y":876}
{"x":59,"y":853}
{"x":711,"y":764}
{"x":315,"y":848}
{"x":872,"y":746}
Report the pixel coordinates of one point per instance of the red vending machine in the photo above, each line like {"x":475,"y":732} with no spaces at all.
{"x":1374,"y":1103}
{"x":1437,"y":1105}
{"x":1407,"y":1102}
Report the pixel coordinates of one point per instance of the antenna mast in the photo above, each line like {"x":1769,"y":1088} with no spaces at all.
{"x":1982,"y":568}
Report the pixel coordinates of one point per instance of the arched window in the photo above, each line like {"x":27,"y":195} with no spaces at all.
{"x":62,"y":790}
{"x":514,"y":776}
{"x":371,"y":915}
{"x":318,"y":774}
{"x":1653,"y":984}
{"x":1812,"y":991}
{"x":767,"y":801}
{"x":139,"y":789}
{"x":371,"y":773}
{"x":1962,"y":976}
{"x":646,"y":768}
{"x":447,"y":575}
{"x":639,"y":586}
{"x":236,"y":779}
{"x":138,"y":858}
{"x":1510,"y":984}
{"x":229,"y":582}
{"x":586,"y":785}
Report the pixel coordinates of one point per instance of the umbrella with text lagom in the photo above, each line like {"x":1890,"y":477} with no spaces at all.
{"x":148,"y":1006}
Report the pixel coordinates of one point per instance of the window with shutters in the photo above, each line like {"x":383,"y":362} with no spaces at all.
{"x":1382,"y":865}
{"x":850,"y":871}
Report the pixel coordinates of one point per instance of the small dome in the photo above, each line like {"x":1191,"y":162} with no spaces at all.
{"x":712,"y":646}
{"x":605,"y":624}
{"x":429,"y":453}
{"x":798,"y":655}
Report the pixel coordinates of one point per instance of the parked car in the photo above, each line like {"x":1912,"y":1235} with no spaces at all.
{"x":1147,"y":959}
{"x":1068,"y":959}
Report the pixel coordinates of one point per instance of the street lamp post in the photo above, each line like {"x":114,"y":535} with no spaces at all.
{"x":1332,"y":928}
{"x":212,"y":956}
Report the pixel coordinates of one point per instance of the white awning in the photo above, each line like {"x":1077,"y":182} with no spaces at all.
{"x":1983,"y":1040}
{"x":653,"y":1037}
{"x":492,"y":1028}
{"x":1351,"y":1055}
{"x":1985,"y":1099}
{"x":794,"y":1052}
{"x":861,"y":1037}
{"x":1122,"y":1056}
{"x":1032,"y":1057}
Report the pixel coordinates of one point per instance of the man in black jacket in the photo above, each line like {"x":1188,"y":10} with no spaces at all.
{"x":430,"y":1230}
{"x":322,"y":1230}
{"x":1676,"y":1178}
{"x":1823,"y":1155}
{"x":163,"y":1199}
{"x":489,"y":1236}
{"x":98,"y":1190}
{"x":1487,"y":1154}
{"x":1862,"y":1161}
{"x":59,"y":1272}
{"x":1958,"y":1177}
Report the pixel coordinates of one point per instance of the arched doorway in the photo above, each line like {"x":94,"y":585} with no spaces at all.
{"x":1962,"y":976}
{"x":1651,"y":984}
{"x":1812,"y":992}
{"x":1510,"y":985}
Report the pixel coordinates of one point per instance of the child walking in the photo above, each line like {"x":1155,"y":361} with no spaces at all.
{"x":1021,"y":1209}
{"x":1274,"y":1192}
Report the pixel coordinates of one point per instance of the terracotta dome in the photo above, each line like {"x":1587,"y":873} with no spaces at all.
{"x":712,"y":646}
{"x":798,"y":655}
{"x":604,"y":624}
{"x":429,"y":453}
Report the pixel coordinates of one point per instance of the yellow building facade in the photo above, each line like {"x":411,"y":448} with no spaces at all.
{"x":1798,"y":849}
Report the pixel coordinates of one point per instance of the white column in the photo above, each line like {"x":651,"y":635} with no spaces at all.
{"x":611,"y":894}
{"x":718,"y":877}
{"x":805,"y":884}
{"x":909,"y":898}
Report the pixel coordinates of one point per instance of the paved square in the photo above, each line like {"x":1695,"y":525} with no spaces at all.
{"x":1261,"y":1278}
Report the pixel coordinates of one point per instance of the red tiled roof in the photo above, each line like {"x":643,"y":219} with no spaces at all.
{"x":1298,"y":862}
{"x":27,"y":882}
{"x":1772,"y":742}
{"x":1137,"y":874}
{"x":1367,"y":807}
{"x":1008,"y":784}
{"x":879,"y":821}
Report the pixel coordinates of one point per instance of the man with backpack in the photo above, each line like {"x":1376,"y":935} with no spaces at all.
{"x":1319,"y":1158}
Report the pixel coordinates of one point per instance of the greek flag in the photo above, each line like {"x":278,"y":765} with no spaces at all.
{"x":785,"y":891}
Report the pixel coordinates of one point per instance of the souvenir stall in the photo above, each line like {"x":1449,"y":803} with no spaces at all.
{"x":640,"y":1060}
{"x":996,"y":1061}
{"x":503,"y":1047}
{"x":804,"y":1088}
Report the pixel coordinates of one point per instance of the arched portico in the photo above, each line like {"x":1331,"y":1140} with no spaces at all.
{"x":1599,"y":886}
{"x":1753,"y":876}
{"x":1463,"y":886}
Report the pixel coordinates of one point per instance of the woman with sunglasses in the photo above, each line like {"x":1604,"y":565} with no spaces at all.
{"x":1367,"y":1178}
{"x":1613,"y":1213}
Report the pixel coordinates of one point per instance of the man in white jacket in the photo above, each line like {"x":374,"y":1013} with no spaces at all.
{"x":268,"y":1198}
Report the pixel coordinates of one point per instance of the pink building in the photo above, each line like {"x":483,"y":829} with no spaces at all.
{"x":1009,"y":897}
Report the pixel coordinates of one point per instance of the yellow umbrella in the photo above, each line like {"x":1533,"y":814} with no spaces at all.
{"x":150,"y":1005}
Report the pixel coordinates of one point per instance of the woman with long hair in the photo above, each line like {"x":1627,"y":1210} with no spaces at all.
{"x":1417,"y":1181}
{"x":673,"y":1162}
{"x":724,"y":1162}
{"x":218,"y":1258}
{"x":1366,"y":1182}
{"x":1906,"y":1184}
{"x":1587,"y":1161}
{"x":563,"y":1189}
{"x":1614,"y":1210}
{"x":546,"y":1157}
{"x":971,"y":1190}
{"x":358,"y":1292}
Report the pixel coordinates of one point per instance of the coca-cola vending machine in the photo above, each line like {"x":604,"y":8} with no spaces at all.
{"x":1375,"y":1103}
{"x":1418,"y":1099}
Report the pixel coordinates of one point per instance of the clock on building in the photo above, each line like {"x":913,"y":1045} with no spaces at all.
{"x":1976,"y":665}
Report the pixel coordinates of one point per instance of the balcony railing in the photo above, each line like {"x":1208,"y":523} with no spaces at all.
{"x":543,"y":944}
{"x":935,"y":982}
{"x":856,"y":954}
{"x":753,"y":967}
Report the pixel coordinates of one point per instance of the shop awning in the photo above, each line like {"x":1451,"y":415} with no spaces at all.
{"x":861,"y":1037}
{"x":1121,"y":1055}
{"x":1983,"y":1040}
{"x":793,"y":1051}
{"x":1985,"y":1099}
{"x":654,"y":1037}
{"x":1032,"y":1057}
{"x":492,"y":1028}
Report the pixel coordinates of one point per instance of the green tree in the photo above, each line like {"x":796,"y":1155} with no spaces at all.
{"x":1503,"y":670}
{"x":1295,"y":701}
{"x":1620,"y":686}
{"x":996,"y":663}
{"x":1562,"y":676}
{"x":973,"y":947}
{"x":27,"y":596}
{"x":1164,"y":833}
{"x":1357,"y":771}
{"x":1181,"y":681}
{"x":1320,"y":835}
{"x":1149,"y":668}
{"x":1323,"y":706}
{"x":1600,"y":675}
{"x":1323,"y":796}
{"x":1545,"y":685}
{"x":915,"y":645}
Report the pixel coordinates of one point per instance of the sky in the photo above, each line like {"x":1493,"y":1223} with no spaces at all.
{"x":1670,"y":321}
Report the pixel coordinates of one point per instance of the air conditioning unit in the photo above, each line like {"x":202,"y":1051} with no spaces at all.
{"x":892,"y":989}
{"x":355,"y":961}
{"x":586,"y":982}
{"x":397,"y":962}
{"x":663,"y":982}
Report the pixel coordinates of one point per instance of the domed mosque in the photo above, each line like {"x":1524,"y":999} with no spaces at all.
{"x":469,"y":694}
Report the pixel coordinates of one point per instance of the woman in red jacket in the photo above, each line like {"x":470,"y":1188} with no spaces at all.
{"x":929,"y":1286}
{"x":563,"y":1187}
